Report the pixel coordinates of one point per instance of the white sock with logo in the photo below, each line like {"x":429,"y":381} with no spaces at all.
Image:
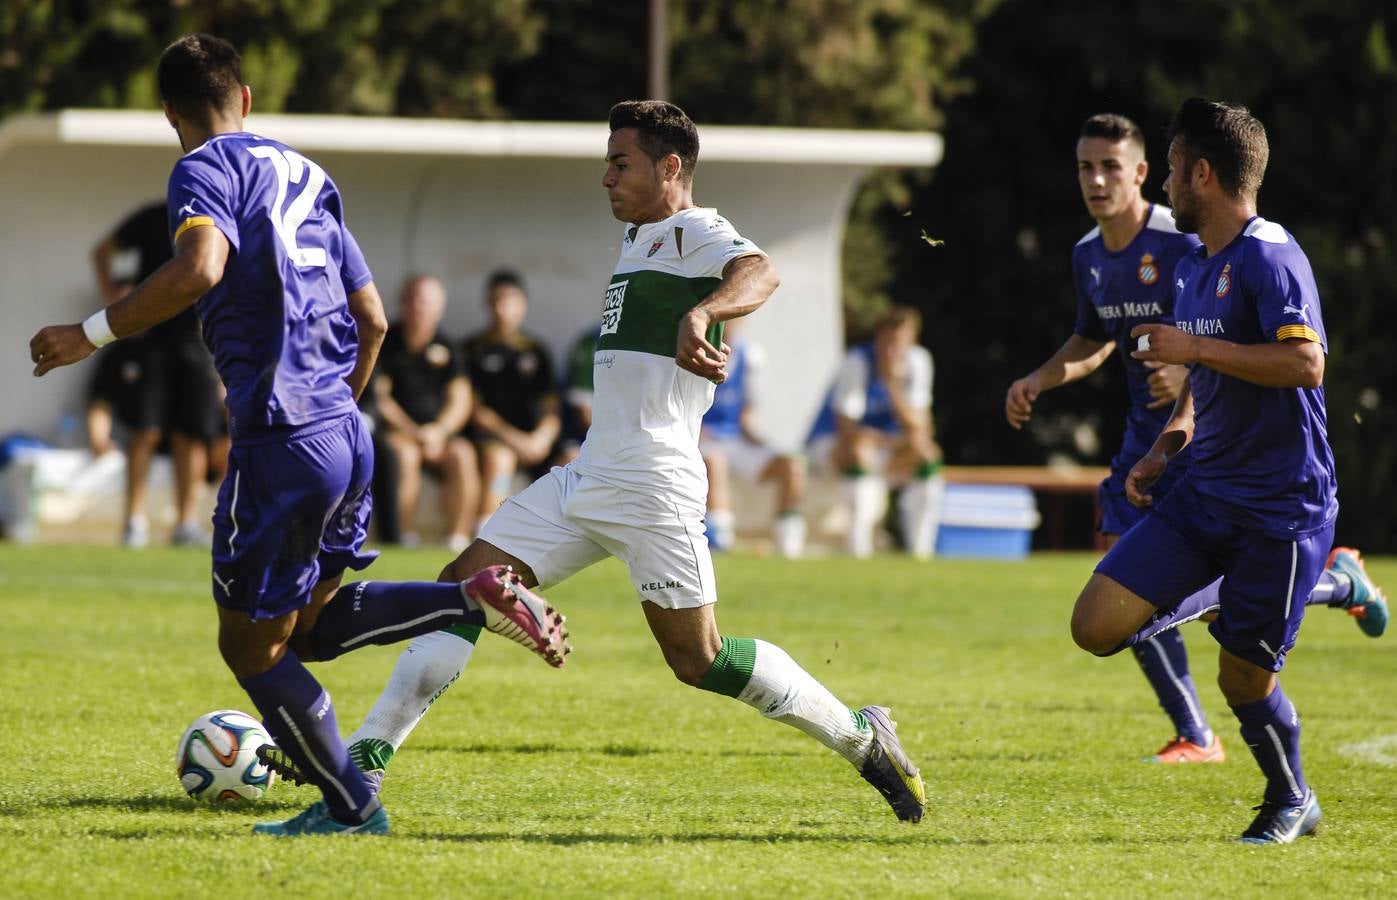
{"x":426,"y":668}
{"x":780,"y":689}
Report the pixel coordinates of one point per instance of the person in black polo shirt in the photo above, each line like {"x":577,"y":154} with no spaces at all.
{"x":424,"y":399}
{"x":515,"y":421}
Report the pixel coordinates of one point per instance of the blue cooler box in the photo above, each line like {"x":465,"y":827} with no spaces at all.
{"x":987,"y":521}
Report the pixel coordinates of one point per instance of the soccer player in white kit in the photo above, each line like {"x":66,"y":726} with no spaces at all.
{"x":637,"y":491}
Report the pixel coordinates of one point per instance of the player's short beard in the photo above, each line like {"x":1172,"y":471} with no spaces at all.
{"x":1186,"y":212}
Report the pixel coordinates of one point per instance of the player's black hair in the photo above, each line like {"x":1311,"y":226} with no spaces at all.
{"x":663,"y":129}
{"x":198,"y":75}
{"x":1228,"y":136}
{"x":504,"y":277}
{"x":1113,"y":127}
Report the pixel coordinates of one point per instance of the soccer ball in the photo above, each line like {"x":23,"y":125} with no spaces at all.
{"x":217,"y":758}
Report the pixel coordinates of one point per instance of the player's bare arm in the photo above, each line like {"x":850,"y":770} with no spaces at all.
{"x":366,"y":307}
{"x":915,"y":422}
{"x":1174,"y":437}
{"x":1166,"y":382}
{"x":747,"y":283}
{"x":1292,"y":363}
{"x":1077,"y":358}
{"x":200,"y":254}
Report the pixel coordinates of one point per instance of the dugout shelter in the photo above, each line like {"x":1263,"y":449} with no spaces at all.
{"x":452,"y":198}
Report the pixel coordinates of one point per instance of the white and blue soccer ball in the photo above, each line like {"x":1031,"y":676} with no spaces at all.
{"x":217,"y":758}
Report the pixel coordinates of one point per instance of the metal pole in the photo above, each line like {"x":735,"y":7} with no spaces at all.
{"x":658,"y":74}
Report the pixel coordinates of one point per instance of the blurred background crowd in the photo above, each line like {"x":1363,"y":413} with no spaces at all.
{"x":979,"y":246}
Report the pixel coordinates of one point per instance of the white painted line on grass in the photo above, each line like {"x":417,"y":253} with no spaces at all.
{"x":1381,"y":750}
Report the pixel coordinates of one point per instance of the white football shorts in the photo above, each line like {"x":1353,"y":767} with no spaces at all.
{"x":565,"y":522}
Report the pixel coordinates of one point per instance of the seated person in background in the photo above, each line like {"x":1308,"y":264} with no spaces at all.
{"x":515,"y":420}
{"x":730,"y":446}
{"x":876,"y":424}
{"x":577,"y":398}
{"x":424,"y":399}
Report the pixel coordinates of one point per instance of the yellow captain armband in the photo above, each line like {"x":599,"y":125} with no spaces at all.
{"x":1287,"y":332}
{"x":191,"y":222}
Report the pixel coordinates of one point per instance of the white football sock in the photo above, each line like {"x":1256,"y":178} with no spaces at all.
{"x":868,"y":498}
{"x":780,"y":689}
{"x":920,"y":509}
{"x":790,"y":535}
{"x":425,"y":669}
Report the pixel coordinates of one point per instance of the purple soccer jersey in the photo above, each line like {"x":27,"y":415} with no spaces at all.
{"x":1260,"y":453}
{"x":278,"y":324}
{"x":1116,"y":292}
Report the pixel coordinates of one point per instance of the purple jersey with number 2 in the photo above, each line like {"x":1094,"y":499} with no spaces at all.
{"x":278,"y":324}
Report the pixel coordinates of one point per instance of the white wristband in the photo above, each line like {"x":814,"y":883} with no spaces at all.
{"x":98,"y":329}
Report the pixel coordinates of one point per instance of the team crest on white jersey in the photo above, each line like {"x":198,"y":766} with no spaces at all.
{"x":1148,"y":273}
{"x":1224,"y":282}
{"x":611,"y":309}
{"x":655,"y":247}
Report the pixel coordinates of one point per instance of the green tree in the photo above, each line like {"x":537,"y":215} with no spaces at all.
{"x":1319,"y":73}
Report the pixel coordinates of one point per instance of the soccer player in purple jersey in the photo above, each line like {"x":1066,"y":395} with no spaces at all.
{"x":1258,"y":503}
{"x":1123,"y":275}
{"x":1122,"y":272}
{"x":294,"y":322}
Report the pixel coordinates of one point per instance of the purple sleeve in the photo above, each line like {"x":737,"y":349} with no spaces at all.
{"x":201,"y":193}
{"x":354,"y":270}
{"x":1088,"y":323}
{"x":1282,"y":287}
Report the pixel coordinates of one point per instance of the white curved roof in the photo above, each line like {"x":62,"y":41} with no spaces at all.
{"x":445,"y":137}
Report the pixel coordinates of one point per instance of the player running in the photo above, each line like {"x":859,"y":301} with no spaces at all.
{"x":1258,"y":503}
{"x":1123,"y":273}
{"x":294,"y":322}
{"x":637,"y":490}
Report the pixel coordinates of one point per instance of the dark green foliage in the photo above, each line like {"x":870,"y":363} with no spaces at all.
{"x":998,"y":298}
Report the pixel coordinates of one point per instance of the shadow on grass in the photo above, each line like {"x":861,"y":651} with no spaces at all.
{"x":912,"y":838}
{"x":169,"y":804}
{"x":613,"y":749}
{"x":909,"y":838}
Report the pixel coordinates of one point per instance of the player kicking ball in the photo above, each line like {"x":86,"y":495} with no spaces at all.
{"x":294,"y":322}
{"x":1258,"y":503}
{"x":637,"y":490}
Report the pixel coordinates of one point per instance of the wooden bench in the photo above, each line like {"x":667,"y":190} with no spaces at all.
{"x":1059,"y":491}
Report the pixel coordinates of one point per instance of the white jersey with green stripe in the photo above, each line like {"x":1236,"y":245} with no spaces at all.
{"x":645,"y":409}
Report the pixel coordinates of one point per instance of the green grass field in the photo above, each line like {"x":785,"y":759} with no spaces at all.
{"x":609,"y":778}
